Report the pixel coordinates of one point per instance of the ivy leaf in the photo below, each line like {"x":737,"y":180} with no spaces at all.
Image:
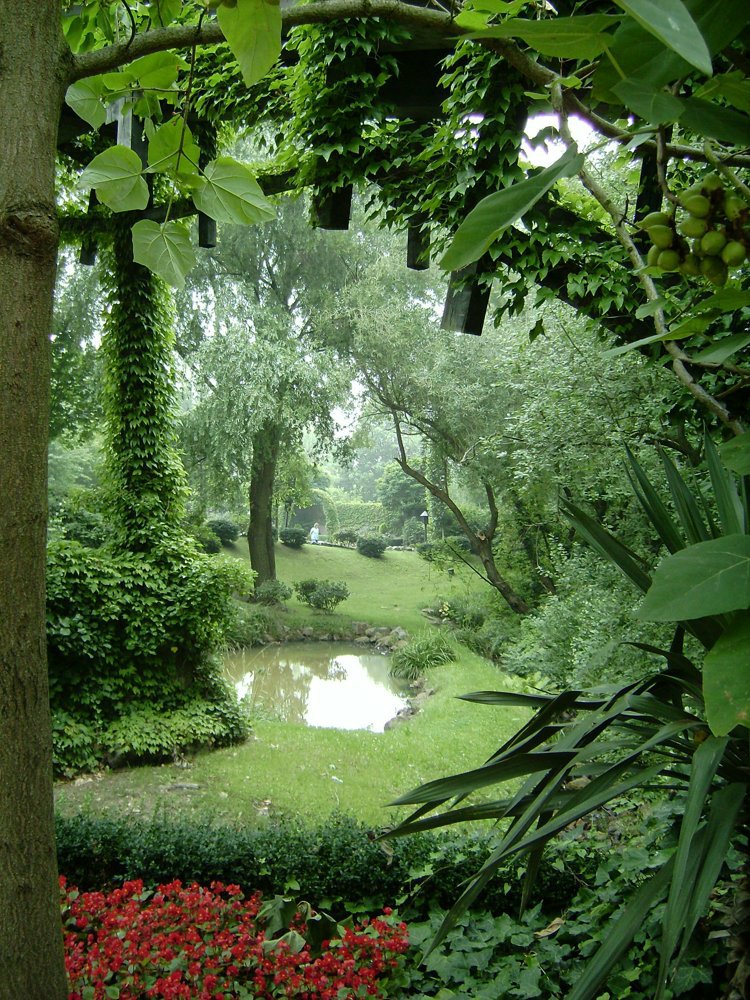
{"x":164,"y":249}
{"x":228,"y":192}
{"x":735,"y":454}
{"x":253,"y":32}
{"x":709,"y":578}
{"x":655,"y":106}
{"x":563,"y":37}
{"x":726,"y":679}
{"x":493,"y":214}
{"x":670,"y":22}
{"x":116,"y":175}
{"x":84,"y":98}
{"x":164,"y":146}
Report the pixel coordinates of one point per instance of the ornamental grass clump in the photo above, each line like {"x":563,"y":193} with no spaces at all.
{"x":212,"y":943}
{"x":428,"y":649}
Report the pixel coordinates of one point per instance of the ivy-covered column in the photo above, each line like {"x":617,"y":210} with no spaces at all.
{"x":146,"y":477}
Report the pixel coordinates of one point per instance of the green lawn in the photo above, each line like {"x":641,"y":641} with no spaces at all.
{"x":288,"y":769}
{"x":391,"y":590}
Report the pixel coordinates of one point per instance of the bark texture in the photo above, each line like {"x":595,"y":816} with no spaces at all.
{"x":33,"y":66}
{"x":260,"y":532}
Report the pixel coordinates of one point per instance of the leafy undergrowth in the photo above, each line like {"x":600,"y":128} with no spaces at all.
{"x":212,"y":943}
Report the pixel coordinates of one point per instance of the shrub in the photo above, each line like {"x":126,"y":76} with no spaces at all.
{"x":251,"y":627}
{"x":372,"y":546}
{"x":192,"y":941}
{"x":295,"y":538}
{"x":426,"y":550}
{"x":74,"y":745}
{"x":131,"y":630}
{"x":345,"y":537}
{"x":81,"y":517}
{"x":428,"y":649}
{"x":462,"y":613}
{"x":272,"y":592}
{"x":413,"y":531}
{"x":324,"y":595}
{"x":208,"y":540}
{"x":226,"y":530}
{"x":394,"y":543}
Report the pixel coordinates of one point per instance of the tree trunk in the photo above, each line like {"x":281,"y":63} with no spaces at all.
{"x":483,"y":548}
{"x":32,"y":78}
{"x":260,"y":531}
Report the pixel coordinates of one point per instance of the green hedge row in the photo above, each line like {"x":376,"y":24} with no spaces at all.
{"x":336,"y":862}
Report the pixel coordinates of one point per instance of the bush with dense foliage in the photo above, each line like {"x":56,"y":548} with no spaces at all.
{"x":294,"y":538}
{"x":372,"y":546}
{"x":272,"y":592}
{"x":192,"y":941}
{"x":225,"y":528}
{"x":133,"y":631}
{"x":81,"y":517}
{"x":206,"y":538}
{"x":426,"y":650}
{"x":323,"y":595}
{"x":251,"y":627}
{"x":345,"y":537}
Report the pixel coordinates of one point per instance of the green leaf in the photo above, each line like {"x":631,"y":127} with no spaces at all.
{"x":561,"y":37}
{"x":228,"y":192}
{"x":493,"y":214}
{"x":733,"y":87}
{"x":655,"y":106}
{"x":709,"y":578}
{"x":608,"y":545}
{"x":735,"y":454}
{"x":165,"y":249}
{"x":718,"y":352}
{"x":165,"y":144}
{"x":253,"y":32}
{"x":84,"y":98}
{"x":116,"y":175}
{"x":655,"y":510}
{"x":726,"y":678}
{"x":727,"y":300}
{"x":728,"y":503}
{"x":715,"y":121}
{"x":670,"y":22}
{"x":157,"y":71}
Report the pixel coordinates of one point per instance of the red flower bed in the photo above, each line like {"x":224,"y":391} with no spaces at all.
{"x":209,"y":944}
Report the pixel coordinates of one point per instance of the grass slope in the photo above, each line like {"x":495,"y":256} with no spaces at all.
{"x":295,"y":770}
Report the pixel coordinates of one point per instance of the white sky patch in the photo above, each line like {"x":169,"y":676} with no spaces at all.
{"x":552,"y":149}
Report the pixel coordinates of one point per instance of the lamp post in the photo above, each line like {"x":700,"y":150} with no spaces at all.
{"x":424,"y":517}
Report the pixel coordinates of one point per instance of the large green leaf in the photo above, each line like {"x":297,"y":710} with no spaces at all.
{"x":85,"y":98}
{"x":562,"y":37}
{"x":170,"y":139}
{"x":493,"y":214}
{"x":639,"y":55}
{"x":116,"y":175}
{"x":165,"y":249}
{"x":609,"y":546}
{"x":728,"y":503}
{"x":720,"y":350}
{"x":253,"y":32}
{"x":655,"y":106}
{"x":670,"y":22}
{"x":726,"y":678}
{"x":710,"y":578}
{"x":735,"y":454}
{"x":228,"y":192}
{"x":715,"y":121}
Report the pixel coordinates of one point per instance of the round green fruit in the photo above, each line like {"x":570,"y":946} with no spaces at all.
{"x":734,"y":253}
{"x":734,"y":207}
{"x":656,"y":219}
{"x":712,"y":182}
{"x":713,"y":243}
{"x":661,"y":236}
{"x":690,"y":265}
{"x":696,"y":204}
{"x":668,"y":260}
{"x":693,"y":228}
{"x":715,"y":270}
{"x":652,"y":258}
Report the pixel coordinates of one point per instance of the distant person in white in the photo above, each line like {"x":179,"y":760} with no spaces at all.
{"x":315,"y":533}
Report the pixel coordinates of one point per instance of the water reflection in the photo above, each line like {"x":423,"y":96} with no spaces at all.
{"x":332,"y":685}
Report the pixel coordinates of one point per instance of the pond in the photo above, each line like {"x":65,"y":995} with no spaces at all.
{"x":333,"y":685}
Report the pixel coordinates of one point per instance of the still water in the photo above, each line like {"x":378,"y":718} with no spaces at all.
{"x":334,"y":685}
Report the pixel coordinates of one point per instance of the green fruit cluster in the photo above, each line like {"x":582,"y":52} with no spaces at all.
{"x":711,"y":236}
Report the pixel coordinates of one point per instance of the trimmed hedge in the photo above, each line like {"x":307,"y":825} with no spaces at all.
{"x":294,"y":538}
{"x":338,"y":861}
{"x":372,"y":546}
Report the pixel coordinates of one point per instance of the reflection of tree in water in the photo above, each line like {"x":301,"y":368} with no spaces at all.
{"x":283,"y":688}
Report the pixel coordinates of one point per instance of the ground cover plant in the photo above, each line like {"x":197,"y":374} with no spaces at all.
{"x":204,"y":943}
